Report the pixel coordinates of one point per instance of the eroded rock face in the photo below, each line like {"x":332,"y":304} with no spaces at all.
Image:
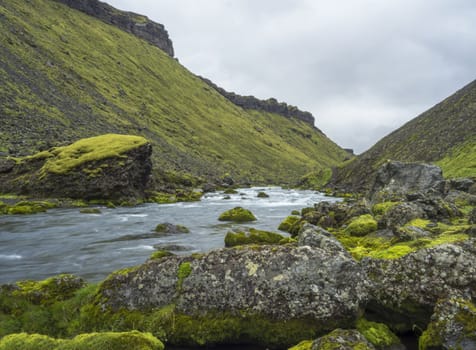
{"x":397,"y":178}
{"x":324,"y":285}
{"x":138,"y":25}
{"x":405,"y":290}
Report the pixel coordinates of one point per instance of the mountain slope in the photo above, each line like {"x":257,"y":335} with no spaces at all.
{"x":445,"y":135}
{"x":66,"y":75}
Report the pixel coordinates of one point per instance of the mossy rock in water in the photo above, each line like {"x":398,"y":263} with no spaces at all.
{"x":168,"y":228}
{"x":90,"y":211}
{"x":287,"y":224}
{"x":361,"y":226}
{"x":378,"y":334}
{"x":159,"y":254}
{"x":253,"y":237}
{"x":296,"y":212}
{"x":237,"y":214}
{"x":133,"y":340}
{"x":29,"y":207}
{"x":262,"y":195}
{"x":230,"y":191}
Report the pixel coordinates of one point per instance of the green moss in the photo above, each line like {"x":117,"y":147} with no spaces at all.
{"x":296,"y":212}
{"x":230,"y":191}
{"x":262,"y":195}
{"x":90,"y":211}
{"x":252,"y":237}
{"x":361,"y":226}
{"x":99,"y":341}
{"x":53,"y":289}
{"x":184,"y":270}
{"x":315,"y":179}
{"x":304,"y":345}
{"x":89,"y":150}
{"x":159,"y":254}
{"x":460,"y":161}
{"x":382,"y":208}
{"x":237,"y":214}
{"x":377,"y":333}
{"x":165,"y":228}
{"x":26,"y":341}
{"x":289,"y":223}
{"x":28,"y":207}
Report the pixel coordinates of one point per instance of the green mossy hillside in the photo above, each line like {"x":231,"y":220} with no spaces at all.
{"x":67,"y":76}
{"x":445,"y":135}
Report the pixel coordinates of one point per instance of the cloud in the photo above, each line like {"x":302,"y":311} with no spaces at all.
{"x":362,"y":67}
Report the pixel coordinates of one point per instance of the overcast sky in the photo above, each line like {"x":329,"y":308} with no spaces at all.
{"x":362,"y":67}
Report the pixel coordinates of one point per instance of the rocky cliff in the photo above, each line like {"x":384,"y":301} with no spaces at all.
{"x":270,"y":105}
{"x":133,"y":23}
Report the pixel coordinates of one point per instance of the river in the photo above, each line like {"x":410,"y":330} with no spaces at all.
{"x":93,"y":245}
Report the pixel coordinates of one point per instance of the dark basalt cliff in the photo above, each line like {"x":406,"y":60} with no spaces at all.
{"x":270,"y":105}
{"x":133,"y":23}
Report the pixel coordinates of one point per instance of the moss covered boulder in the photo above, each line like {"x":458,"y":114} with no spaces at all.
{"x":361,"y":226}
{"x":290,"y":224}
{"x":103,"y":167}
{"x":253,"y":236}
{"x":237,"y":214}
{"x":230,"y":296}
{"x":133,"y":340}
{"x":168,"y":228}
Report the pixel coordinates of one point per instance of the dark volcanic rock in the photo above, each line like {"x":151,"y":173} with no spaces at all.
{"x":133,"y":23}
{"x":397,"y":178}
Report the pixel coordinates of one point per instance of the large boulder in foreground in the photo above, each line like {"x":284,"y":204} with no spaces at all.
{"x":405,"y":291}
{"x":103,"y":167}
{"x":274,"y":295}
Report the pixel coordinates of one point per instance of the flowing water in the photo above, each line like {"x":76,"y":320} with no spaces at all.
{"x":93,"y":245}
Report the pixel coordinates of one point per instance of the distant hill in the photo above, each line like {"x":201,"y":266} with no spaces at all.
{"x":68,"y":74}
{"x":444,"y":135}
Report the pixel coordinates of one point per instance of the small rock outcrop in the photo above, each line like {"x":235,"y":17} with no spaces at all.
{"x":397,"y":178}
{"x":110,"y":166}
{"x":133,"y":23}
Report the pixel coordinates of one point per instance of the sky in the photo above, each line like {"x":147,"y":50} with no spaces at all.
{"x":362,"y":67}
